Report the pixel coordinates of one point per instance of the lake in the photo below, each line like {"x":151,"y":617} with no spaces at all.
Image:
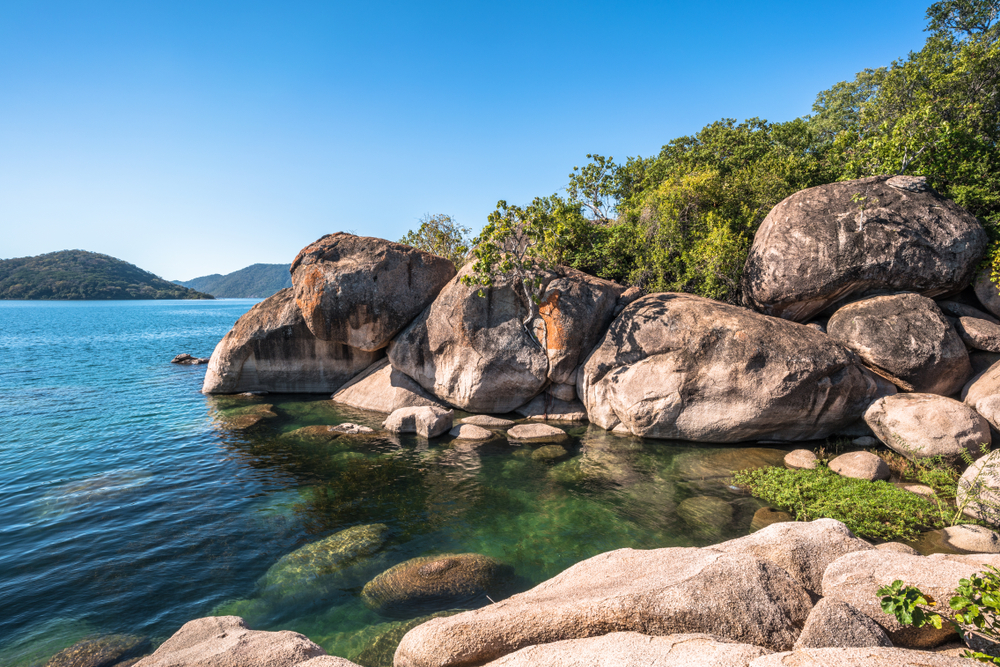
{"x":131,"y":503}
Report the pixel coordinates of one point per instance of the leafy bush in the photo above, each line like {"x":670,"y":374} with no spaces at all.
{"x":877,"y":510}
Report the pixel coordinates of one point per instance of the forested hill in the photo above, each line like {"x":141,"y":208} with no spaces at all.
{"x":258,"y":281}
{"x":82,"y":275}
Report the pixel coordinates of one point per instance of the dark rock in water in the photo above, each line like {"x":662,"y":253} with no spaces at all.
{"x":428,"y":582}
{"x":107,"y":651}
{"x":827,"y":243}
{"x":362,"y":291}
{"x":316,"y":434}
{"x":379,"y":651}
{"x":707,"y":516}
{"x":906,"y":339}
{"x":240,"y":419}
{"x":678,"y":366}
{"x":271,"y":349}
{"x":305,"y":566}
{"x":187,"y":359}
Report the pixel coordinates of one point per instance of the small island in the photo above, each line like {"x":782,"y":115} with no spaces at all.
{"x":79,"y":275}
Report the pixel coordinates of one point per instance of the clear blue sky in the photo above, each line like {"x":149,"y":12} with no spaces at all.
{"x":200,"y":137}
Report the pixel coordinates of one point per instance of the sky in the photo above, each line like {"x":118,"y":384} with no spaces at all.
{"x":192,"y":138}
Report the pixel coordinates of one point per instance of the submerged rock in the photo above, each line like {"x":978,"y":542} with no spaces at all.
{"x":187,"y":360}
{"x":766,"y":516}
{"x":315,"y":434}
{"x":707,"y":515}
{"x":106,"y":651}
{"x":304,"y":566}
{"x":549,"y":453}
{"x":347,"y":428}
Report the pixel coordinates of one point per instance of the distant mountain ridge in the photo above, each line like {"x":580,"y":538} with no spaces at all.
{"x":79,"y":275}
{"x":257,"y":281}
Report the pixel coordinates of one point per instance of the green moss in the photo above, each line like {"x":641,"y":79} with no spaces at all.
{"x":870,"y":509}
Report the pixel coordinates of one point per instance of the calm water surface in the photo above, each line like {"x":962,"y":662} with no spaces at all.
{"x":131,"y":503}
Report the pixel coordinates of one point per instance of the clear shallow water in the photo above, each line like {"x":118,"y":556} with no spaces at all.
{"x":129,"y":502}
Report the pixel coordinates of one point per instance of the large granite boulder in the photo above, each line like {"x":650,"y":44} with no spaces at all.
{"x":802,"y":549}
{"x":226,"y":641}
{"x":834,"y":623}
{"x":927,"y":425}
{"x":982,"y":393}
{"x":830,"y":242}
{"x":271,"y":349}
{"x":632,"y":649}
{"x":655,"y":592}
{"x":906,"y":339}
{"x":476,"y":353}
{"x":684,"y":367}
{"x":876,"y":656}
{"x":382,"y":388}
{"x":362,"y":291}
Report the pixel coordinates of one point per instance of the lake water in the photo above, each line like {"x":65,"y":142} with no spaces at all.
{"x":131,"y":503}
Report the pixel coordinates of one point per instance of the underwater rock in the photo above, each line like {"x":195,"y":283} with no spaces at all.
{"x":351,"y":429}
{"x":705,"y":514}
{"x":380,"y":649}
{"x":724,"y":462}
{"x":239,"y":419}
{"x":549,"y":453}
{"x":766,"y":516}
{"x":317,"y":434}
{"x":107,"y":651}
{"x":304,"y":566}
{"x":429,"y":582}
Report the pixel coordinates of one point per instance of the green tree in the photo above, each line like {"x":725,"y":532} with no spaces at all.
{"x":441,"y":235}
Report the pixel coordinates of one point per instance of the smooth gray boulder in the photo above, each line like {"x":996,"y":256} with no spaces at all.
{"x":425,"y":421}
{"x":860,"y":465}
{"x":226,"y":641}
{"x":978,"y":334}
{"x":922,"y":426}
{"x":271,"y":349}
{"x":656,"y":592}
{"x":488,"y":421}
{"x":906,"y":339}
{"x":536,"y":433}
{"x":833,"y":623}
{"x":362,"y":291}
{"x":381,"y":388}
{"x":877,"y":656}
{"x":827,"y":243}
{"x":476,"y":353}
{"x":987,"y":292}
{"x":683,"y":367}
{"x":978,"y":491}
{"x":800,"y":459}
{"x":803,"y":549}
{"x":632,"y":649}
{"x":957,"y":310}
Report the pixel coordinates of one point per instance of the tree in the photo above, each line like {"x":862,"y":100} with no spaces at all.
{"x":441,"y":235}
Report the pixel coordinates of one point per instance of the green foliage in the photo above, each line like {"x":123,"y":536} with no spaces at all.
{"x":257,"y":281}
{"x":440,"y":235}
{"x":78,"y":274}
{"x":876,"y":510}
{"x":976,"y":604}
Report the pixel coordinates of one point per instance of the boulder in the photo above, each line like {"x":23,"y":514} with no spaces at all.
{"x":833,"y":623}
{"x":800,"y":459}
{"x":271,"y":349}
{"x":979,"y":489}
{"x":226,"y":641}
{"x":827,"y":243}
{"x":919,"y":489}
{"x":104,"y":651}
{"x":963,"y":538}
{"x":683,"y":367}
{"x":856,"y":577}
{"x":362,"y":291}
{"x":982,"y":394}
{"x":549,"y":408}
{"x":958,"y":310}
{"x":488,"y":421}
{"x":802,"y":549}
{"x":434,"y":583}
{"x":898,"y":546}
{"x":426,"y":421}
{"x":628,"y":649}
{"x":766,"y":516}
{"x":564,"y":392}
{"x":860,"y":465}
{"x":906,"y":339}
{"x":982,"y":361}
{"x":882,"y":656}
{"x":187,"y":360}
{"x":351,"y":429}
{"x":987,"y":293}
{"x":656,"y":592}
{"x":476,"y":352}
{"x":381,"y":388}
{"x":319,"y":434}
{"x":470,"y":432}
{"x":549,"y":453}
{"x":978,"y":334}
{"x":536,"y":433}
{"x":921,"y":426}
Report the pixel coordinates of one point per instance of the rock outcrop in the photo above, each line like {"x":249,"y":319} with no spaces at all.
{"x":926,"y":425}
{"x":833,"y":623}
{"x":475,"y":352}
{"x":655,"y":592}
{"x":827,"y":243}
{"x":684,"y":367}
{"x":906,"y":339}
{"x":381,"y":388}
{"x":362,"y":291}
{"x":271,"y":349}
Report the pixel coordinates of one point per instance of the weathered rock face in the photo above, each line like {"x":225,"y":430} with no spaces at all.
{"x":634,"y":649}
{"x":362,"y":291}
{"x":906,"y":339}
{"x":826,"y":243}
{"x":656,"y":592}
{"x":382,"y":388}
{"x":833,"y":623}
{"x":926,"y":425}
{"x":474,"y":352}
{"x":857,"y":657}
{"x":226,"y":641}
{"x":271,"y":349}
{"x":803,"y":549}
{"x":983,"y":394}
{"x":684,"y":367}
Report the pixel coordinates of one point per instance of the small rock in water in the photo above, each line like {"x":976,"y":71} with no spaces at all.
{"x":488,"y":421}
{"x":706,"y":514}
{"x":860,"y":465}
{"x":107,"y":651}
{"x":765,"y":516}
{"x":187,"y":359}
{"x":800,"y":459}
{"x":549,"y":453}
{"x":470,"y":432}
{"x":350,"y":429}
{"x":536,"y":433}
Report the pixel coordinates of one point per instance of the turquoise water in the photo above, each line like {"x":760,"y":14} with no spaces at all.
{"x":131,"y":503}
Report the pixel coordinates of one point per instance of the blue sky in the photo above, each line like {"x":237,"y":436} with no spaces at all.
{"x":192,"y":138}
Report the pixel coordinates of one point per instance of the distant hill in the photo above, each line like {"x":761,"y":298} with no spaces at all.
{"x":258,"y":281}
{"x":81,"y":275}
